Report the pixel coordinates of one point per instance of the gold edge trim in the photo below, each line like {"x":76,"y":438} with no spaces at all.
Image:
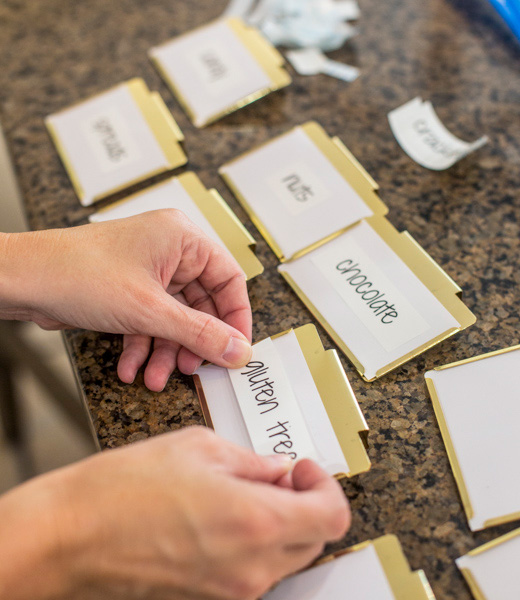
{"x":225,"y":223}
{"x":252,"y":215}
{"x":425,"y":269}
{"x":351,"y":170}
{"x":450,"y":449}
{"x":264,"y":53}
{"x":258,"y":223}
{"x":341,"y":145}
{"x":161,"y":123}
{"x":417,"y":351}
{"x":473,"y":359}
{"x":248,"y":238}
{"x":67,"y":163}
{"x":406,"y":584}
{"x":343,"y":346}
{"x":245,"y":255}
{"x":324,"y":323}
{"x":173,"y":86}
{"x":168,"y":116}
{"x":277,"y":83}
{"x":472,"y":584}
{"x":494,"y":543}
{"x":129,"y":184}
{"x":130,"y":197}
{"x":430,"y":265}
{"x":338,"y":398}
{"x":502,"y":520}
{"x":203,"y":402}
{"x":345,"y":163}
{"x":132,"y":84}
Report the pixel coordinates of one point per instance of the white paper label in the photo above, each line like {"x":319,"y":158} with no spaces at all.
{"x":216,"y":69}
{"x":298,"y":187}
{"x":495,"y":569}
{"x":294,"y":218}
{"x":110,"y":140}
{"x":212,"y":69}
{"x":424,"y":138}
{"x":269,"y":406}
{"x":370,"y":294}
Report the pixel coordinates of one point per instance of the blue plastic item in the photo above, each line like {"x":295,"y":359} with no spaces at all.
{"x":510,"y":11}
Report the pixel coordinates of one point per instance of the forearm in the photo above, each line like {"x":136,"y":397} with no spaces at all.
{"x":35,"y":544}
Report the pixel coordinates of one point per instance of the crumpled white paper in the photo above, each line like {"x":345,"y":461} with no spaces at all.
{"x":423,"y":136}
{"x":320,"y":25}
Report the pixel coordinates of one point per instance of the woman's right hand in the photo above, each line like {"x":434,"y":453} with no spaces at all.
{"x":186,"y":515}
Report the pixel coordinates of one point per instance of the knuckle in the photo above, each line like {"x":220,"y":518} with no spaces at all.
{"x":261,"y":528}
{"x":200,"y":436}
{"x":173,"y":216}
{"x":206,"y":331}
{"x":253,"y":586}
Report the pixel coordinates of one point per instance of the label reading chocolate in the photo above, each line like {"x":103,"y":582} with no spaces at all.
{"x":298,"y":187}
{"x":378,"y":302}
{"x":269,"y":406}
{"x":108,"y":136}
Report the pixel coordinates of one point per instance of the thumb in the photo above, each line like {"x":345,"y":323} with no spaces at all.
{"x":203,"y":334}
{"x":245,"y":464}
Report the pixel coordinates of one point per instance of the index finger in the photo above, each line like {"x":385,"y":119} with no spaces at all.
{"x":225,"y":282}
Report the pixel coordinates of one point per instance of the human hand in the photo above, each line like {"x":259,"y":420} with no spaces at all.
{"x":155,"y":275}
{"x":185,"y":516}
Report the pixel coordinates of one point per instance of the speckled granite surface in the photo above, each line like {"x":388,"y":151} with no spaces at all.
{"x":457,"y":54}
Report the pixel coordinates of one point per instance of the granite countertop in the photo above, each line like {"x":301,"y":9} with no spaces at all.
{"x":456,"y":53}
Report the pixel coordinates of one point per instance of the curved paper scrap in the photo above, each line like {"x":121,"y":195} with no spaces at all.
{"x":425,"y":139}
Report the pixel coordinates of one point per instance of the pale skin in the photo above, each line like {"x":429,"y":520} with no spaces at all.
{"x":185,"y":515}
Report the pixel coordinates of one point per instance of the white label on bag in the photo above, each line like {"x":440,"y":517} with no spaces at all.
{"x":425,"y":139}
{"x":110,"y":139}
{"x":298,"y":187}
{"x":370,"y":294}
{"x":269,"y":406}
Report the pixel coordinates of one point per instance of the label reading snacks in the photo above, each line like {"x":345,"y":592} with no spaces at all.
{"x":219,"y":68}
{"x":269,"y":406}
{"x":115,"y":140}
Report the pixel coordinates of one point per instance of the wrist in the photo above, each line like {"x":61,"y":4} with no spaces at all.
{"x":41,"y":543}
{"x":22,"y":263}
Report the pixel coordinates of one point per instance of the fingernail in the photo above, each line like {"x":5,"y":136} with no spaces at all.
{"x":238,"y":352}
{"x":282,"y":461}
{"x":195,"y":368}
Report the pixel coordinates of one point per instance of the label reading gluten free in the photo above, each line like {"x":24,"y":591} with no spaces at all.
{"x":269,"y":406}
{"x":371,"y":295}
{"x":109,"y":137}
